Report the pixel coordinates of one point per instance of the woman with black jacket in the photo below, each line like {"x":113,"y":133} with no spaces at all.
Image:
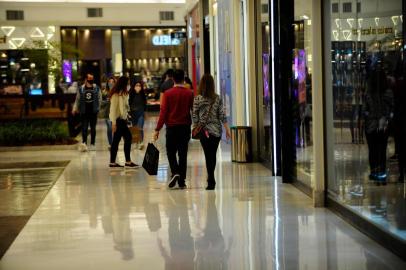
{"x":138,"y":103}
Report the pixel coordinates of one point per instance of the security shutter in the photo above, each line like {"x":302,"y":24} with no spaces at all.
{"x":15,"y":15}
{"x":166,"y":16}
{"x":94,"y":12}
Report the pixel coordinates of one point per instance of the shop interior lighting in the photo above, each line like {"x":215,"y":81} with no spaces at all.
{"x":309,"y":22}
{"x":377,"y":21}
{"x":8,"y":30}
{"x":350,"y":22}
{"x":401,"y":18}
{"x":305,"y":17}
{"x":49,"y":36}
{"x":338,"y":23}
{"x":336,"y":34}
{"x":48,"y":45}
{"x":37,"y":33}
{"x":12,"y":46}
{"x":51,"y":29}
{"x":395,"y":20}
{"x":215,"y":8}
{"x":18,"y":41}
{"x":360,"y":20}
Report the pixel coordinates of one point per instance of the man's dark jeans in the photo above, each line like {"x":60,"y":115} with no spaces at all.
{"x":177,"y":141}
{"x":89,"y":119}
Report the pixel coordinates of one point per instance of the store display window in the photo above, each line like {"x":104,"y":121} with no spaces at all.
{"x":365,"y":102}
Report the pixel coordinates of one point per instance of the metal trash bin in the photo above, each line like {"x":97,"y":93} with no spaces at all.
{"x":241,"y":144}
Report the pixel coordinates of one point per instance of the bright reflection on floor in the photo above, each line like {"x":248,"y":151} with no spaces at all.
{"x":96,"y":219}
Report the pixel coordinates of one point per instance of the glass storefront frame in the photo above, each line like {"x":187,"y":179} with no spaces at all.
{"x":285,"y":133}
{"x":349,"y":192}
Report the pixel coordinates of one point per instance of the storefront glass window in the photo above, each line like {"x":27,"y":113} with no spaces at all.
{"x":150,"y":52}
{"x":302,"y":69}
{"x":266,"y":132}
{"x":366,"y":111}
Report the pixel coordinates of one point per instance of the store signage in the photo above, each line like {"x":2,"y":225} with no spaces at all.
{"x":178,"y":35}
{"x":3,"y":40}
{"x":67,"y":71}
{"x":373,"y":31}
{"x":165,"y":40}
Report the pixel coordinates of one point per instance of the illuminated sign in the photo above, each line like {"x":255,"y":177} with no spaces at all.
{"x":373,"y":31}
{"x":165,"y":40}
{"x":178,"y":35}
{"x":67,"y":71}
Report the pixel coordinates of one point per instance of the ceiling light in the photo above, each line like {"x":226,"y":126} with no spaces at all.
{"x":8,"y":30}
{"x":37,"y":33}
{"x":18,"y":41}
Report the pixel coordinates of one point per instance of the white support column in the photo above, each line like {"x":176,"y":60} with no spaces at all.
{"x":318,"y":124}
{"x":238,"y":101}
{"x":253,"y":89}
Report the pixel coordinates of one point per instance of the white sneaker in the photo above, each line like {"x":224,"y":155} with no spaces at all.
{"x":92,"y":147}
{"x":82,"y":147}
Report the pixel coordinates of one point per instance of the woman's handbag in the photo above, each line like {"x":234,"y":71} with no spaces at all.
{"x":135,"y":134}
{"x":198,"y":130}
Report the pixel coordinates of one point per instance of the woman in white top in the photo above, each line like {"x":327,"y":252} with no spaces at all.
{"x":119,"y":108}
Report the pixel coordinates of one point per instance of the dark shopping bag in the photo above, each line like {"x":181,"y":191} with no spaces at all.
{"x":151,"y":159}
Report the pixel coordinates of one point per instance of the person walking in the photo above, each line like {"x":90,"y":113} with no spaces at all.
{"x":208,"y":112}
{"x":105,"y":108}
{"x":379,"y":105}
{"x":175,"y":113}
{"x":87,"y":103}
{"x":138,"y":103}
{"x":167,"y":83}
{"x":119,"y":108}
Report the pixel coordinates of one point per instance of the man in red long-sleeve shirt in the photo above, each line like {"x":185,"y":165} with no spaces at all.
{"x":177,"y":104}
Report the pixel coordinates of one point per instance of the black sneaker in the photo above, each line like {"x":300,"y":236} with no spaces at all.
{"x":131,"y":165}
{"x":173,"y":181}
{"x":211,"y":186}
{"x":115,"y":166}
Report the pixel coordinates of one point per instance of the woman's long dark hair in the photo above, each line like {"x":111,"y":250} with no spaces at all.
{"x":107,"y":82}
{"x":142,"y":93}
{"x":120,"y":87}
{"x":206,"y":87}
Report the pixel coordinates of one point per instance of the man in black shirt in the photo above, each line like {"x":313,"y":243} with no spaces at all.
{"x":167,"y":84}
{"x":87,"y":103}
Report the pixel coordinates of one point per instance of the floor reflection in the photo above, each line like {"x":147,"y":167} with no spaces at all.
{"x":96,"y":219}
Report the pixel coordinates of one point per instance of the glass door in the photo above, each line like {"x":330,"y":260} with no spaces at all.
{"x":265,"y":95}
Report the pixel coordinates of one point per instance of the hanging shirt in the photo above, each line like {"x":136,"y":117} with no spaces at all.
{"x":89,"y":95}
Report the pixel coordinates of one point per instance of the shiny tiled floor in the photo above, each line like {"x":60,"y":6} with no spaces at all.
{"x":96,"y":219}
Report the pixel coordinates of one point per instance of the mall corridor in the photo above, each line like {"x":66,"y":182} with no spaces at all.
{"x":93,"y":218}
